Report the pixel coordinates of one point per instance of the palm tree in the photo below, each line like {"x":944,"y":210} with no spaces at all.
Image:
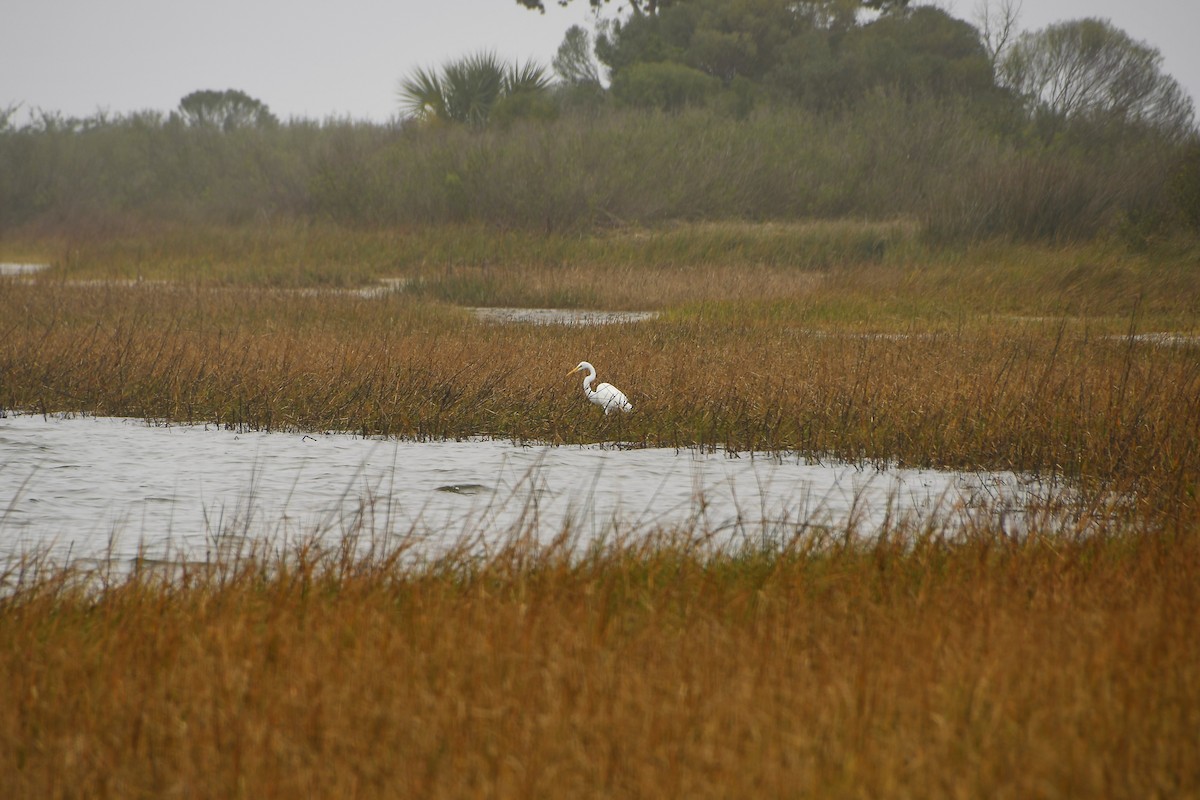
{"x":421,"y":94}
{"x":468,"y":89}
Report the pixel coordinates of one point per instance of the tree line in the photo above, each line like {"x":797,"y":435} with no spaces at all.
{"x":824,"y":54}
{"x":693,"y":109}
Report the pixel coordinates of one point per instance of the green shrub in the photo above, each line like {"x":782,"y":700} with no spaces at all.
{"x":663,"y":86}
{"x":946,"y":162}
{"x":1184,"y":187}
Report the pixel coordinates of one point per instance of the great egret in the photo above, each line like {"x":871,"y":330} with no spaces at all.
{"x":607,"y":396}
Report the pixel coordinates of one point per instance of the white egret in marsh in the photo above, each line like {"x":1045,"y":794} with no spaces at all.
{"x":607,"y":396}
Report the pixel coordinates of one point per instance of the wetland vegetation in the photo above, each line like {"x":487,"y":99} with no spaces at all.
{"x":910,"y":660}
{"x":913,"y":278}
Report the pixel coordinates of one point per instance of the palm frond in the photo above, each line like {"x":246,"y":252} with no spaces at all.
{"x":528,"y":77}
{"x":472,"y":86}
{"x":422,"y":95}
{"x":468,"y":89}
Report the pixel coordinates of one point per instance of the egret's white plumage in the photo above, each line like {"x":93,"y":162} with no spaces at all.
{"x":607,"y":396}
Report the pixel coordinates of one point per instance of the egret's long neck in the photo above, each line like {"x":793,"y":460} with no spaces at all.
{"x":587,"y":382}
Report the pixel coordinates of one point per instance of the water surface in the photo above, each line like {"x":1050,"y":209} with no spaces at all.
{"x":9,"y":268}
{"x":559,"y":316}
{"x":86,"y":487}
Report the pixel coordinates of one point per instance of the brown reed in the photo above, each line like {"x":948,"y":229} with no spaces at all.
{"x":905,"y":667}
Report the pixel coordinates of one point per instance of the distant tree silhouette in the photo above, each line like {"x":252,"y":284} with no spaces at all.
{"x":1088,"y":68}
{"x":226,"y":110}
{"x":653,"y":6}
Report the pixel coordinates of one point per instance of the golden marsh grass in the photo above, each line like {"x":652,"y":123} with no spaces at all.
{"x":916,"y":664}
{"x":987,"y":667}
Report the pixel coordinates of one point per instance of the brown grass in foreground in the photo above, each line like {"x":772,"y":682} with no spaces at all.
{"x":984,"y":668}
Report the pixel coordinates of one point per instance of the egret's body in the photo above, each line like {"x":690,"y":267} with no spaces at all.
{"x":605,"y":395}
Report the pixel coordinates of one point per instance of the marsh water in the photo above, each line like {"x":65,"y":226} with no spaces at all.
{"x":86,"y":488}
{"x":8,"y":268}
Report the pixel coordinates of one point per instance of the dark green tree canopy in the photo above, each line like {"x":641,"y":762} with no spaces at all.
{"x":920,"y":50}
{"x":827,"y":53}
{"x":817,"y":53}
{"x":225,"y":110}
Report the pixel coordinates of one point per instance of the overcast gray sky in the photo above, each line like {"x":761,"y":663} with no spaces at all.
{"x":319,"y":59}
